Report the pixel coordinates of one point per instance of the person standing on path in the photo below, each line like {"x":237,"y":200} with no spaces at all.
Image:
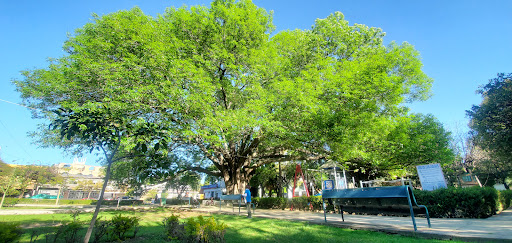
{"x":247,"y":195}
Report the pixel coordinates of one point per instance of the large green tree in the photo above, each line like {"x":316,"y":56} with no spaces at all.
{"x":491,"y":125}
{"x":228,"y":90}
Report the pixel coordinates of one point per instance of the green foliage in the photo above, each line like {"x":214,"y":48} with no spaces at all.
{"x":129,"y":202}
{"x":101,"y":229}
{"x":173,"y":229}
{"x":194,"y":230}
{"x":121,"y":225}
{"x":10,"y":202}
{"x":14,"y":201}
{"x":225,"y":88}
{"x":204,"y":230}
{"x":116,"y":228}
{"x":270,"y":202}
{"x":471,"y":202}
{"x":9,"y":232}
{"x":416,"y":140}
{"x":68,"y":232}
{"x":505,"y":198}
{"x":491,"y":127}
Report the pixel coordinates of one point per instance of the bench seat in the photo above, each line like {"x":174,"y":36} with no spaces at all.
{"x":395,"y":200}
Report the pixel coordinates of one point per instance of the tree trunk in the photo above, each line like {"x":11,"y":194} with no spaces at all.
{"x":236,"y":179}
{"x":58,"y":196}
{"x":3,"y":197}
{"x":98,"y":204}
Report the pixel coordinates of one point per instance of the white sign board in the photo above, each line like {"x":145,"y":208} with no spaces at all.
{"x":431,"y":177}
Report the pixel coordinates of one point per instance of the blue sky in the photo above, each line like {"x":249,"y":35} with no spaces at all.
{"x":463,"y":44}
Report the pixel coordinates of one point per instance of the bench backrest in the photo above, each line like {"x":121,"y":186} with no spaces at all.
{"x":368,"y":192}
{"x":231,"y":197}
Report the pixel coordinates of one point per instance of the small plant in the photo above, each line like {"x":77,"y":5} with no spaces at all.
{"x":194,"y":230}
{"x":9,"y":232}
{"x":173,"y":229}
{"x":69,"y":231}
{"x":122,"y":224}
{"x":34,"y":235}
{"x":101,"y":228}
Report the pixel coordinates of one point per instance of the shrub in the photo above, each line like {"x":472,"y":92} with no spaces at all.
{"x":202,"y":230}
{"x":270,"y":202}
{"x":472,"y":202}
{"x":504,"y":198}
{"x":10,"y":202}
{"x":173,"y":229}
{"x":121,"y":225}
{"x":114,"y":202}
{"x":9,"y":232}
{"x":101,"y":228}
{"x":69,"y":231}
{"x":194,"y":230}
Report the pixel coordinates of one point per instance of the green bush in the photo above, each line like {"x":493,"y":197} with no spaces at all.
{"x":121,"y":225}
{"x":13,"y":201}
{"x":10,"y":201}
{"x":116,"y":228}
{"x":173,"y":229}
{"x":114,"y":202}
{"x":9,"y":232}
{"x":202,"y":230}
{"x":270,"y":202}
{"x":504,"y":198}
{"x":471,"y":202}
{"x":194,"y":230}
{"x":68,"y":231}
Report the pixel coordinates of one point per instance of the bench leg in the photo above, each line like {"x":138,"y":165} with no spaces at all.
{"x":341,"y":212}
{"x":325,"y":217}
{"x":412,"y":212}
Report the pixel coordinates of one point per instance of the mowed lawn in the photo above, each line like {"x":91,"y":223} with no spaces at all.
{"x":239,"y":229}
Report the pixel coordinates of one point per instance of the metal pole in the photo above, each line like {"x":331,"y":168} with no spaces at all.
{"x":335,"y":178}
{"x":345,"y":179}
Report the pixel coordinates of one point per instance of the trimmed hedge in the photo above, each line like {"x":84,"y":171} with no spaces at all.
{"x":13,"y":201}
{"x":270,"y":202}
{"x":471,"y":202}
{"x":504,"y":198}
{"x":114,"y":202}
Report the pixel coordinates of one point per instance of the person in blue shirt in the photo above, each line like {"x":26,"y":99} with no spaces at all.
{"x":247,"y":195}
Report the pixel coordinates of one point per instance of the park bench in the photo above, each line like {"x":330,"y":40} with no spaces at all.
{"x":393,"y":199}
{"x":237,"y":200}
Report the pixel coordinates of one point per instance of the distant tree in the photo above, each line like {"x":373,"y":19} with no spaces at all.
{"x":417,"y":140}
{"x":266,"y":177}
{"x":184,"y":181}
{"x":9,"y":180}
{"x":34,"y":175}
{"x":88,"y":186}
{"x":491,"y":125}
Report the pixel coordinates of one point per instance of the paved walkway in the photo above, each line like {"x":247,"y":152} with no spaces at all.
{"x":496,"y":228}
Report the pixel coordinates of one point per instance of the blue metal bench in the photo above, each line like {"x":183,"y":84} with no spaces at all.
{"x":238,"y":199}
{"x":374,"y":199}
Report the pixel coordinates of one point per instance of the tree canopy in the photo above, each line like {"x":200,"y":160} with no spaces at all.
{"x":491,"y":124}
{"x":228,"y":89}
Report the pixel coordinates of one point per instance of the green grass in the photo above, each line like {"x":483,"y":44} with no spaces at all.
{"x":240,"y":229}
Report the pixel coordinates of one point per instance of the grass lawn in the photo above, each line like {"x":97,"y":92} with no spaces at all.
{"x":240,"y":229}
